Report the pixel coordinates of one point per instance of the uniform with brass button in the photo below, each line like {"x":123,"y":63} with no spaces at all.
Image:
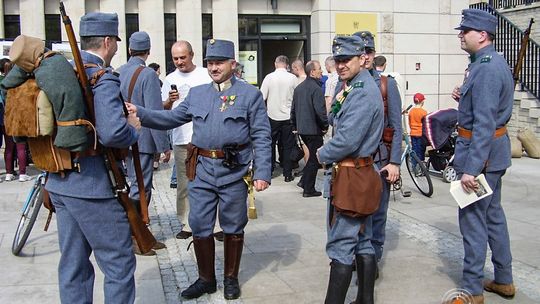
{"x":231,"y":130}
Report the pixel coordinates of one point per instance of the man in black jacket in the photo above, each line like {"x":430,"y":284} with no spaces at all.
{"x":308,"y":116}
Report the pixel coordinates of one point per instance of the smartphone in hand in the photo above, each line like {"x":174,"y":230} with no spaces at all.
{"x":174,"y":88}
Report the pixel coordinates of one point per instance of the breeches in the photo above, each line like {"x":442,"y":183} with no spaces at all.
{"x":205,"y":199}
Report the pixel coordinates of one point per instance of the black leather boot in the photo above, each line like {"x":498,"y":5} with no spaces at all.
{"x":338,"y":284}
{"x":206,"y":283}
{"x":366,"y":269}
{"x":233,"y":245}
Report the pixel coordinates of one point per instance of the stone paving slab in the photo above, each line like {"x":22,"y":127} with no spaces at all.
{"x":284,"y":259}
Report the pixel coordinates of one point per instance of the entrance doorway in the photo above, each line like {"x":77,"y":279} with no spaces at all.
{"x":263,"y":38}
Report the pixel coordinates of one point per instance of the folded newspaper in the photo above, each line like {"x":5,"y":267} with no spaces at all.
{"x":463,"y":198}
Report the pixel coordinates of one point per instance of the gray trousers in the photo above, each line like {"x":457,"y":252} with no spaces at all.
{"x":147,"y":165}
{"x":483,"y":223}
{"x":182,"y":203}
{"x":99,"y":226}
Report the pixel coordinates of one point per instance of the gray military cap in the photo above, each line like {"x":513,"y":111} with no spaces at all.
{"x":217,"y":49}
{"x":139,"y":41}
{"x":348,"y":46}
{"x":99,"y":25}
{"x":367,"y":37}
{"x":475,"y":19}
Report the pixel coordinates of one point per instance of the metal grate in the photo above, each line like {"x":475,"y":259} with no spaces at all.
{"x":504,"y":4}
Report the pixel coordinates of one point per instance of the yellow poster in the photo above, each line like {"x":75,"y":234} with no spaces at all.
{"x":350,"y":23}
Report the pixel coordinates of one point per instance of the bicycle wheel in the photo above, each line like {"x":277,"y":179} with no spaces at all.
{"x":28,"y":218}
{"x":419,"y":174}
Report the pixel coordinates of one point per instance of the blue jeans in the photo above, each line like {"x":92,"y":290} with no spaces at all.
{"x":173,"y":175}
{"x":418,"y":147}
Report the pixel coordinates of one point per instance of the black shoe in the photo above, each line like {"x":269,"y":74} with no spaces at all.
{"x":199,"y":288}
{"x":231,"y":288}
{"x":289,"y":179}
{"x":300,"y":184}
{"x":159,"y":245}
{"x":219,"y":236}
{"x":173,"y":186}
{"x":184,"y":235}
{"x":312,"y":194}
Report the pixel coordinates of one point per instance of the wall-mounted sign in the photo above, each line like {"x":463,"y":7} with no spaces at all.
{"x":350,"y":23}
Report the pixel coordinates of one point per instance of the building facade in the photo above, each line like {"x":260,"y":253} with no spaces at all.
{"x":417,"y":37}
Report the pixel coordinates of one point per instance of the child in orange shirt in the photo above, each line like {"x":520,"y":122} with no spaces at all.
{"x":415,"y":123}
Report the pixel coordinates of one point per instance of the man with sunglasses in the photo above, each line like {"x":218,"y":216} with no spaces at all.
{"x":483,"y":146}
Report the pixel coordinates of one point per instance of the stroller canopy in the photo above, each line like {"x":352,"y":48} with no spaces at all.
{"x":438,"y":126}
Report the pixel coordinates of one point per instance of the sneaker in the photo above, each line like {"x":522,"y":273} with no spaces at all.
{"x":24,"y":178}
{"x":10,"y":177}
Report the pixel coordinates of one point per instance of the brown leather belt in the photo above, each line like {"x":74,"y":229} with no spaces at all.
{"x":462,"y":132}
{"x":357,"y":162}
{"x":214,"y":153}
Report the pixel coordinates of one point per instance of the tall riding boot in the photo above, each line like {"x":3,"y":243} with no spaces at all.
{"x":338,"y":284}
{"x":206,"y":283}
{"x":233,"y":245}
{"x":366,"y":269}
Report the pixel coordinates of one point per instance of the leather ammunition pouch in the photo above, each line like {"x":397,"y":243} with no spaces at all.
{"x":356,"y":187}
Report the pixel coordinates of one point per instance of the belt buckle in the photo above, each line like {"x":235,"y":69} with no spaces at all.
{"x":213,"y":153}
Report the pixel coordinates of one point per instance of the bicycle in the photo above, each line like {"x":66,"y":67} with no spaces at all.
{"x":417,"y":169}
{"x":29,"y":214}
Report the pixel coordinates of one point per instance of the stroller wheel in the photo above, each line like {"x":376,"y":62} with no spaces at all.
{"x":449,"y":174}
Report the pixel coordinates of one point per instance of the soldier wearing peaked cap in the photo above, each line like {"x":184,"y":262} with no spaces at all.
{"x":357,"y":118}
{"x":140,"y":85}
{"x":388,"y":155}
{"x":483,"y":146}
{"x":89,"y":217}
{"x":230,"y":130}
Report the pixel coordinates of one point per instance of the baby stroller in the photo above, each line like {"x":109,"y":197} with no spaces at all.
{"x":439,"y":131}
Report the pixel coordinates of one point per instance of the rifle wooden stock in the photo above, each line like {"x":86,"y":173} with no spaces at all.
{"x":143,"y":236}
{"x":522,"y":52}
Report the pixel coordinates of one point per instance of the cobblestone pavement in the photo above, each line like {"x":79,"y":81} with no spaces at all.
{"x":284,"y":259}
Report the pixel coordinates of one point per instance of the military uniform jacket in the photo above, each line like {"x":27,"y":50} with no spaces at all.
{"x":236,"y":115}
{"x":308,"y":111}
{"x":359,"y":123}
{"x":487,"y":96}
{"x":112,"y":131}
{"x":146,"y":93}
{"x":392,"y":120}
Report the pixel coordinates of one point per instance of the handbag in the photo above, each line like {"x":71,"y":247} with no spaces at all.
{"x":297,"y":152}
{"x":356,"y":187}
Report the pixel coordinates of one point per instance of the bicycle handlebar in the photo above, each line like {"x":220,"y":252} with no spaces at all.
{"x":407,"y":110}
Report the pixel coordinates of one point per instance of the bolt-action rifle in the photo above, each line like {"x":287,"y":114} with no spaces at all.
{"x":522,"y":52}
{"x":144,"y":238}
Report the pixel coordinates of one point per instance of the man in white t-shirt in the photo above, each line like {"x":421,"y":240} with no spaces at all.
{"x":186,"y":76}
{"x":331,"y":82}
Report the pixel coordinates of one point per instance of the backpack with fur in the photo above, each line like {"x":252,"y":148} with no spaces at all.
{"x":45,"y":106}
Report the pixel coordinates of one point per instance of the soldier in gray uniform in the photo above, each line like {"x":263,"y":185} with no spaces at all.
{"x":146,"y":93}
{"x":388,"y":155}
{"x":230,"y":129}
{"x":483,"y":146}
{"x":358,"y":127}
{"x":90,"y":219}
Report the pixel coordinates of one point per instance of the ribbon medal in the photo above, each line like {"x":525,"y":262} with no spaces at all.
{"x":227,"y":101}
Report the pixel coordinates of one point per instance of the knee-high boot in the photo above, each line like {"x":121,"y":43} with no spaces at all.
{"x":206,"y":283}
{"x":338,"y":284}
{"x":233,"y":245}
{"x":366,"y":268}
